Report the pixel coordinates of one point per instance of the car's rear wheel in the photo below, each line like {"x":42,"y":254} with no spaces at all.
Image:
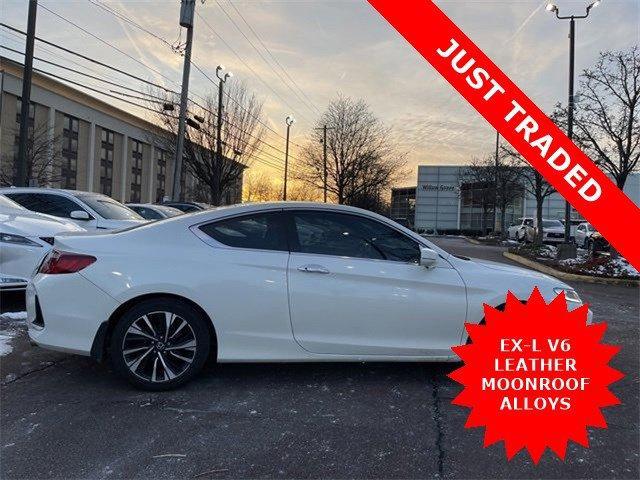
{"x":160,"y":344}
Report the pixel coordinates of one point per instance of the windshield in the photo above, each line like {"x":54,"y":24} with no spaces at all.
{"x":8,"y":203}
{"x":552,"y":223}
{"x":168,"y":211}
{"x":108,"y":208}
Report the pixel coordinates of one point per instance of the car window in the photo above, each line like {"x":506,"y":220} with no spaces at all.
{"x":262,"y":231}
{"x":528,"y":222}
{"x":580,"y":228}
{"x":108,"y":208}
{"x":51,"y":204}
{"x":345,"y":235}
{"x":8,"y":203}
{"x":168,"y":211}
{"x":146,"y":213}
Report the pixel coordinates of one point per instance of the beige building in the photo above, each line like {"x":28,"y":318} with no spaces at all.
{"x":101,"y":148}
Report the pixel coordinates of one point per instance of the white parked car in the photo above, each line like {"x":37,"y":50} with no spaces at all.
{"x":583,"y":235}
{"x":150,"y":211}
{"x":552,"y":231}
{"x":88,"y":210}
{"x":270,"y":282}
{"x":518,"y":229}
{"x":25,"y":238}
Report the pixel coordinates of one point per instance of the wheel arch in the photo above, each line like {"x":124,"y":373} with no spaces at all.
{"x":100,"y":348}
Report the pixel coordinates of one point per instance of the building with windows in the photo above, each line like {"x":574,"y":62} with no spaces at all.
{"x":101,"y":148}
{"x":447,"y":202}
{"x":403,"y":205}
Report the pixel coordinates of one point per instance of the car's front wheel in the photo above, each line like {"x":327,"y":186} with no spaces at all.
{"x":160,"y":344}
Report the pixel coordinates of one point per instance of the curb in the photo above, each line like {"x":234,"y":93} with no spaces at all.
{"x":569,"y":276}
{"x":472,"y":240}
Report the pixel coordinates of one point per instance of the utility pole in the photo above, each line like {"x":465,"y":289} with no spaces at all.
{"x":219,"y":160}
{"x":324,"y":161}
{"x":324,"y":158}
{"x":187,"y":10}
{"x":22,"y":179}
{"x":289,"y":121}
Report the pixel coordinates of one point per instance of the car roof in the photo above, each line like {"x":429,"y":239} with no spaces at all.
{"x":59,"y":191}
{"x":249,"y":207}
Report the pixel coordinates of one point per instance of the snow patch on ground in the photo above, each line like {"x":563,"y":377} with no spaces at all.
{"x":604,"y":266}
{"x":11,"y":323}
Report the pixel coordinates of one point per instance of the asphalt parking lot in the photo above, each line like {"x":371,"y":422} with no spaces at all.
{"x":64,"y":416}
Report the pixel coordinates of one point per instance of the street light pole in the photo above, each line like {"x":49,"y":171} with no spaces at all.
{"x":289,"y":121}
{"x":22,"y":179}
{"x":217,"y":171}
{"x":186,"y":20}
{"x":568,"y":249}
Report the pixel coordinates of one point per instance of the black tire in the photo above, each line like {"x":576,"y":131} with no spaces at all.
{"x":170,"y":358}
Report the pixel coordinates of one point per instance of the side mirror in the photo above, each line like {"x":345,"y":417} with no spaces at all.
{"x":80,"y":215}
{"x":428,"y":257}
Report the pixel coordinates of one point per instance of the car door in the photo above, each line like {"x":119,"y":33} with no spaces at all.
{"x":247,"y":295}
{"x":355,"y":288}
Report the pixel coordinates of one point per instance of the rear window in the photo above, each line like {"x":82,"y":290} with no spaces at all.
{"x":262,"y":231}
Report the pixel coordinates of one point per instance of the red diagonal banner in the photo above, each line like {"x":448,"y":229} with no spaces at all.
{"x":517,"y":119}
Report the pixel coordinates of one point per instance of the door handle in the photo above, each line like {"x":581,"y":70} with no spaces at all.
{"x":313,"y":268}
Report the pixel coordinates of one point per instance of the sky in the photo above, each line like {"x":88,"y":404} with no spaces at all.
{"x":336,"y":47}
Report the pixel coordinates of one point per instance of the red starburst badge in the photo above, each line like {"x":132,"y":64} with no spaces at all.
{"x":536,"y":375}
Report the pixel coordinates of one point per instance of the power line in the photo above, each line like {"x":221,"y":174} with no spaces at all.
{"x":110,"y":95}
{"x":284,"y":80}
{"x":128,"y":20}
{"x":108,"y":44}
{"x":92,"y":60}
{"x":256,"y":75}
{"x":275,"y":59}
{"x":124,"y":18}
{"x":88,"y":75}
{"x":156,"y":99}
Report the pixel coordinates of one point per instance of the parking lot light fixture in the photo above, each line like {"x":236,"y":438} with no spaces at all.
{"x":567,"y":249}
{"x":289,"y":121}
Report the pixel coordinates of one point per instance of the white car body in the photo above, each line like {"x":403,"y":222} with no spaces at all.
{"x":518,"y":229}
{"x":583,"y":234}
{"x":100,"y":212}
{"x":268,"y":305}
{"x":552,"y":231}
{"x":26,"y":237}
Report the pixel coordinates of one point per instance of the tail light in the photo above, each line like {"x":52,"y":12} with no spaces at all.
{"x":64,"y":262}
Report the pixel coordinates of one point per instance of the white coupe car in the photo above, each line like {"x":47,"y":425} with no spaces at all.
{"x":25,"y":238}
{"x":283,"y":282}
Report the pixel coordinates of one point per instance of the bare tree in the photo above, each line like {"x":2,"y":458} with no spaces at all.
{"x":299,"y":191}
{"x":361,"y":157}
{"x":44,"y":159}
{"x":259,"y":187}
{"x":607,"y":113}
{"x":242,"y":133}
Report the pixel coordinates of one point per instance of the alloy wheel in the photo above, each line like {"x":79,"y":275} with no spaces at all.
{"x":159,"y":346}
